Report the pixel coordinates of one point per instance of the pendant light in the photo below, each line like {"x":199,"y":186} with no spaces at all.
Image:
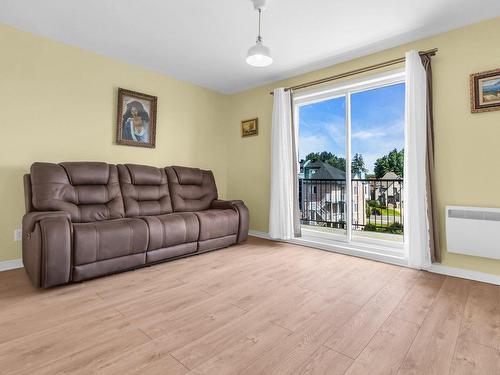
{"x":259,"y":55}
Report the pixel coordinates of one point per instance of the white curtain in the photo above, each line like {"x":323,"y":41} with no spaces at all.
{"x":281,"y":212}
{"x":416,"y":229}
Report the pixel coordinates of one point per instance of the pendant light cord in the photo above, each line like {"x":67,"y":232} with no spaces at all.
{"x":259,"y":38}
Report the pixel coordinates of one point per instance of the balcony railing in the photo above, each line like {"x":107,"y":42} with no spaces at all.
{"x":377,"y":204}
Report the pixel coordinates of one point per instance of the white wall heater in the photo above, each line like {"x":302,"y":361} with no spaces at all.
{"x":473,"y":231}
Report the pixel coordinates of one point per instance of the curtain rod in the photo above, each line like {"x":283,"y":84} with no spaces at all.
{"x":430,"y":52}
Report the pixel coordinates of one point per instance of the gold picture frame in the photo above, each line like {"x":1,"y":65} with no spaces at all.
{"x":250,"y":127}
{"x":136,"y":119}
{"x":485,"y":91}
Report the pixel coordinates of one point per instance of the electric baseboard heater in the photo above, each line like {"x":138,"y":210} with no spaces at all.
{"x":473,"y":231}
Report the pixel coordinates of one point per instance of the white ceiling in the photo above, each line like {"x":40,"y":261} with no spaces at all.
{"x":205,"y":42}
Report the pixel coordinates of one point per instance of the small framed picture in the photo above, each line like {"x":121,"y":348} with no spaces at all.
{"x":250,"y":127}
{"x":485,"y":91}
{"x":136,"y":119}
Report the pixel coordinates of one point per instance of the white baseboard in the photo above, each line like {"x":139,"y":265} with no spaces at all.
{"x":256,"y":233}
{"x":435,"y":268}
{"x":11,"y":264}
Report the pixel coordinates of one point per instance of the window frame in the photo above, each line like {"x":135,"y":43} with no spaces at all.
{"x":346,"y":89}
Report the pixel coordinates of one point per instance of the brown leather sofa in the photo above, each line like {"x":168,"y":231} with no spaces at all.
{"x":88,"y":219}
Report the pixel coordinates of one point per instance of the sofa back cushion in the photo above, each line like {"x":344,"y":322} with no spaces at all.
{"x":191,"y":189}
{"x":145,"y":190}
{"x":88,"y":191}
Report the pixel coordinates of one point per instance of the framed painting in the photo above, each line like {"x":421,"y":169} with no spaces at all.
{"x":250,"y":127}
{"x":485,"y":91}
{"x":136,"y":119}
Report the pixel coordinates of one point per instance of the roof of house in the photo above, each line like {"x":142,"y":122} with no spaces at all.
{"x":391,"y":176}
{"x":325,"y":171}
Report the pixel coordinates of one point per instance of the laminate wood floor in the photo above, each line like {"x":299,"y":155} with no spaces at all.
{"x":257,"y":308}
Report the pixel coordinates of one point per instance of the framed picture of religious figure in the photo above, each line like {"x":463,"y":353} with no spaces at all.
{"x":136,"y":119}
{"x":485,"y":91}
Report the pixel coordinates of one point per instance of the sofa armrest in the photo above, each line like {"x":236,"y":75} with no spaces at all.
{"x":243,"y":213}
{"x":225,"y":205}
{"x":32,"y":218}
{"x":47,"y":247}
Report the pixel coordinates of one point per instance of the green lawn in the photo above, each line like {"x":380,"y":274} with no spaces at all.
{"x":389,"y":212}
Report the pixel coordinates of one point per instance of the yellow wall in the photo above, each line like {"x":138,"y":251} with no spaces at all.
{"x":59,"y":103}
{"x":467,"y":145}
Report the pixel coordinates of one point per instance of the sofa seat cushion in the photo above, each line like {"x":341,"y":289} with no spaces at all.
{"x":216,"y":223}
{"x":171,"y":229}
{"x":102,"y":240}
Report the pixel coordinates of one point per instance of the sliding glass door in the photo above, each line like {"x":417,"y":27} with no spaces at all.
{"x":322,"y":155}
{"x":351,"y":152}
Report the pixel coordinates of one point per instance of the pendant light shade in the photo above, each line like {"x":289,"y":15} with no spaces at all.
{"x":259,"y":55}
